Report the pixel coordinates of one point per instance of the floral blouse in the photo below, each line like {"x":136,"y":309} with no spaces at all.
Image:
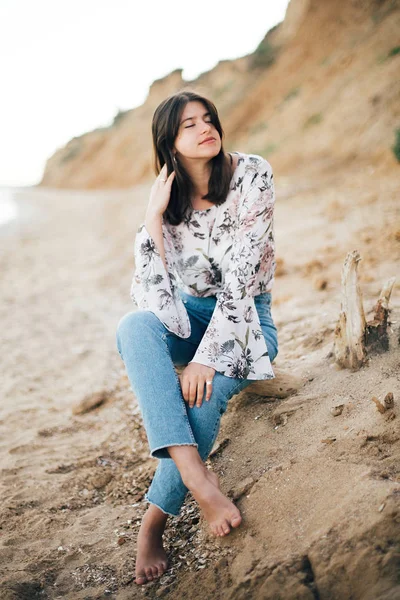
{"x":227,"y":251}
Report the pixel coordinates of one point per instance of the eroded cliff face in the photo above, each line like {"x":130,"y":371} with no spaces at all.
{"x":321,"y":91}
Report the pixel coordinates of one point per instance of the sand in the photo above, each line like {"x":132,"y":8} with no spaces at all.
{"x":319,"y":494}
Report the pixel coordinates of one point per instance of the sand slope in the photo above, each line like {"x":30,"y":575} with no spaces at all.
{"x":320,"y":493}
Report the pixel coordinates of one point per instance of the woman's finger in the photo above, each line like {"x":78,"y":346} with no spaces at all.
{"x":168,"y":181}
{"x":200,"y":392}
{"x":184,"y":388}
{"x":192,"y":393}
{"x":163,"y":179}
{"x":163,"y":172}
{"x":209,"y":388}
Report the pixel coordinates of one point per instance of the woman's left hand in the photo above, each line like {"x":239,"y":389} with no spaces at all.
{"x":193,"y":379}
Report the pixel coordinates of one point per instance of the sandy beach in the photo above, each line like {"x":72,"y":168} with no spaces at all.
{"x":321,"y":494}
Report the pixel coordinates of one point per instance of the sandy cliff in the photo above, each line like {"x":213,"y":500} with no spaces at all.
{"x":322,"y":89}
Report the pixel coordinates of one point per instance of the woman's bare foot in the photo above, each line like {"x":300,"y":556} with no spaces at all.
{"x":220,"y":513}
{"x":151,"y":559}
{"x":218,"y":510}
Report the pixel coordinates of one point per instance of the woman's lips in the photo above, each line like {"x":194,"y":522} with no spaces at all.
{"x":207,"y":141}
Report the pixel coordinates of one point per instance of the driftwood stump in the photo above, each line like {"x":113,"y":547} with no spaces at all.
{"x":377,"y":336}
{"x":350,"y":329}
{"x":353,"y":335}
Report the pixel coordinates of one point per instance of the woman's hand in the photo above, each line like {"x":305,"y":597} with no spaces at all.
{"x":160,"y":194}
{"x":193,"y":379}
{"x":159,"y":198}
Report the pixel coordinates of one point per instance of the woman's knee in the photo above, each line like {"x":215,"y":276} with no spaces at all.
{"x":135,"y":325}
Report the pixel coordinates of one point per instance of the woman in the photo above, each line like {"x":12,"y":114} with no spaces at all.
{"x":204,"y":272}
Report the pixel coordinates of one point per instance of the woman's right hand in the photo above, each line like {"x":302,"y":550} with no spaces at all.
{"x":160,"y":194}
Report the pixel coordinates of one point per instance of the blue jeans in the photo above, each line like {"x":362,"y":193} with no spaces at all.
{"x":150,"y":353}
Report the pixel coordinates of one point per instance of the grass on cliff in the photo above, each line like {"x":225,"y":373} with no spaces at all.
{"x":265,"y":54}
{"x":314,"y":119}
{"x":396,"y":146}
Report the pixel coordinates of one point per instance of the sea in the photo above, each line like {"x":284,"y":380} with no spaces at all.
{"x":8,"y":207}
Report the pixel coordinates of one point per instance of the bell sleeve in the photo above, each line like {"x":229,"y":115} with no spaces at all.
{"x":233,"y":343}
{"x":153,"y":287}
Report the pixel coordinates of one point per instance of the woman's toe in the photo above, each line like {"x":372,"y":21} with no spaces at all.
{"x":154,"y":571}
{"x":149,"y":573}
{"x":225,"y":528}
{"x":236,"y":520}
{"x":162,"y":567}
{"x":141,"y":579}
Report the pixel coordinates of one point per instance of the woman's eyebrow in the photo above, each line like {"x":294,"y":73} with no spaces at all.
{"x":189,"y":118}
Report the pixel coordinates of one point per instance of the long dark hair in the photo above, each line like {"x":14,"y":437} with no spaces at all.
{"x":165,"y":127}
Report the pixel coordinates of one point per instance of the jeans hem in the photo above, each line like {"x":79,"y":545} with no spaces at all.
{"x":147,"y":499}
{"x":165,"y":446}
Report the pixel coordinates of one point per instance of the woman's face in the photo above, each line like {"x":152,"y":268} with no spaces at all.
{"x":195,"y":127}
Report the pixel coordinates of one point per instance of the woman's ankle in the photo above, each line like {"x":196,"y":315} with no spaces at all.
{"x":195,"y":477}
{"x":154,"y":518}
{"x":189,"y":463}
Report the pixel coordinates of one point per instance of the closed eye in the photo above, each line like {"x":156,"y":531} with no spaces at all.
{"x":187,"y":127}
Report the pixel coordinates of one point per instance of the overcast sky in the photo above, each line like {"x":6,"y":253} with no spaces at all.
{"x":68,"y":66}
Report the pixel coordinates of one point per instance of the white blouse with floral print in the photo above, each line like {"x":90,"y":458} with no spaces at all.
{"x":227,"y":251}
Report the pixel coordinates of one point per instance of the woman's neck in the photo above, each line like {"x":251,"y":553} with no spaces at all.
{"x":199,"y":172}
{"x":200,"y":178}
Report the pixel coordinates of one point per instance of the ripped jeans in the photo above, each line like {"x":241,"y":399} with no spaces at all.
{"x":150,"y":353}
